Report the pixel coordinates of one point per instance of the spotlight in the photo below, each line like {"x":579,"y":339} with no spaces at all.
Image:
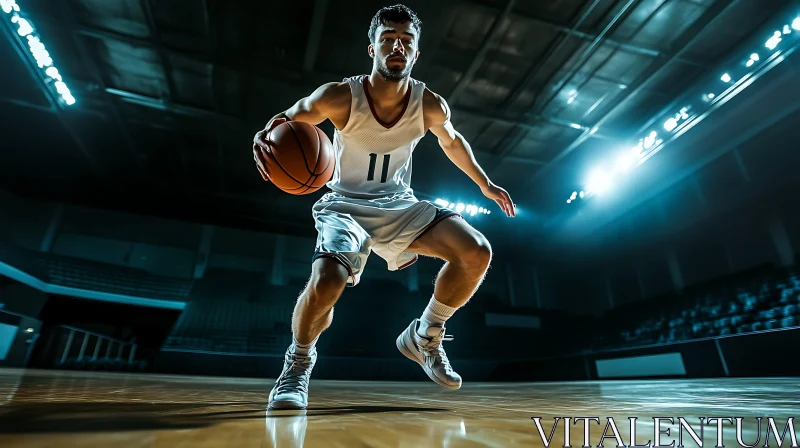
{"x":671,"y":124}
{"x":711,"y":96}
{"x":754,"y":57}
{"x":796,"y":24}
{"x":441,"y":202}
{"x":569,"y":201}
{"x":451,"y":205}
{"x":650,"y":140}
{"x":726,"y":78}
{"x":9,"y":5}
{"x":750,"y":63}
{"x":581,"y":194}
{"x":624,"y":163}
{"x":25,"y":27}
{"x":787,"y":29}
{"x":27,"y":33}
{"x":576,"y":126}
{"x":773,"y":41}
{"x":460,"y":208}
{"x":598,"y":182}
{"x":639,"y":148}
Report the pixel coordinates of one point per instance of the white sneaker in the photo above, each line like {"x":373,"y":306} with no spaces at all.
{"x":428,"y":353}
{"x":291,"y":387}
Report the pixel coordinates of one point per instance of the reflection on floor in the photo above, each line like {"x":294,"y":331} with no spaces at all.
{"x":53,"y":409}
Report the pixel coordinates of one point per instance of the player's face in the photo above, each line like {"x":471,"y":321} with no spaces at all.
{"x":395,"y":50}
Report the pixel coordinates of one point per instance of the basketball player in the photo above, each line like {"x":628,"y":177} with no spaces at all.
{"x":379,"y":119}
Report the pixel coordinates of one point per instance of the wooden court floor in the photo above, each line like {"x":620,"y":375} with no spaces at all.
{"x":76,"y":409}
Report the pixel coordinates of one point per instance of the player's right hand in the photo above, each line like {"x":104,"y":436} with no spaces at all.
{"x":261,"y":145}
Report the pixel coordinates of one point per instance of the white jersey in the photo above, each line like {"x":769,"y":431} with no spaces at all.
{"x":373,"y":159}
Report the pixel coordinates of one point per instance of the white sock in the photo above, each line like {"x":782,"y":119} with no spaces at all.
{"x":435,"y":315}
{"x":303,"y":349}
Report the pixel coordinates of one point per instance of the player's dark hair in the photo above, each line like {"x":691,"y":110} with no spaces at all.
{"x":398,"y":14}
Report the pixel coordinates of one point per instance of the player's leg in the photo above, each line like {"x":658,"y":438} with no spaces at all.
{"x":467,"y":255}
{"x":313,"y":313}
{"x":340,"y":255}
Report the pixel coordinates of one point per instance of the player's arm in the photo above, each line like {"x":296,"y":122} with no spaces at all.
{"x":322,"y":104}
{"x":326,"y":101}
{"x":458,"y":150}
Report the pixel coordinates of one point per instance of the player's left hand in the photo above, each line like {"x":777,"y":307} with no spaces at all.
{"x":502,"y":198}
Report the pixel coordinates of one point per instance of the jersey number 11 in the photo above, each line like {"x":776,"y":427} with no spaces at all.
{"x":373,"y":159}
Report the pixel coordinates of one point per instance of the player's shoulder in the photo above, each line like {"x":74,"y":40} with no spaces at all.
{"x":335,"y":90}
{"x":334,"y":94}
{"x":434,"y":106}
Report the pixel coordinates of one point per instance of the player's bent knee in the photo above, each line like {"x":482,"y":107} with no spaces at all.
{"x":479,"y":253}
{"x":328,"y":281}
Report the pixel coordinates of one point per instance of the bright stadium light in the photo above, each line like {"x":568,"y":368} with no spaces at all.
{"x":8,"y":6}
{"x":773,"y":41}
{"x":599,"y":181}
{"x":650,"y":140}
{"x":27,"y":31}
{"x":467,"y":209}
{"x":572,"y":95}
{"x":625,"y":162}
{"x":25,"y":27}
{"x":603,"y":178}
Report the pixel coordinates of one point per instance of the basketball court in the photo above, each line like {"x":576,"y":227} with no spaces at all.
{"x":48,"y":409}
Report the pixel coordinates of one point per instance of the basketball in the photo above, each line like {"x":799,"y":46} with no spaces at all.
{"x":300,"y":157}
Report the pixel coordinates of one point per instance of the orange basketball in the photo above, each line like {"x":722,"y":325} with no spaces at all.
{"x":300,"y":157}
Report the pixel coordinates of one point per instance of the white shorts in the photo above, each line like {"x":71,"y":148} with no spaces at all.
{"x":348,"y":229}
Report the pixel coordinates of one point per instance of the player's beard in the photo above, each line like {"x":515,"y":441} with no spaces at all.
{"x":394,"y":74}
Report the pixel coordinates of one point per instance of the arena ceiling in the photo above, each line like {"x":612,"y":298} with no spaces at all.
{"x":169,"y":93}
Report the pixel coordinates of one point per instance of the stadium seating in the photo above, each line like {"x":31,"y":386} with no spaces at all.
{"x":751,"y":304}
